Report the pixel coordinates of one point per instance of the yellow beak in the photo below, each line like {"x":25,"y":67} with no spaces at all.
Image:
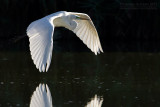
{"x":83,"y":18}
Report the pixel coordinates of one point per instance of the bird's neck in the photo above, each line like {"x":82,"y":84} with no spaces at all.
{"x":58,"y":22}
{"x":62,"y":22}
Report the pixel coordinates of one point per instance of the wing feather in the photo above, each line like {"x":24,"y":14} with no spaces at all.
{"x":91,"y":42}
{"x":40,"y":35}
{"x":88,"y":41}
{"x":83,"y":34}
{"x":87,"y":32}
{"x":80,"y":31}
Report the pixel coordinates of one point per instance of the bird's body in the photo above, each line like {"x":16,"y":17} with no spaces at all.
{"x":40,"y":33}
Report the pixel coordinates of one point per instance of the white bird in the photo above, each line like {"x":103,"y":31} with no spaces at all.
{"x":40,"y":33}
{"x":41,"y":97}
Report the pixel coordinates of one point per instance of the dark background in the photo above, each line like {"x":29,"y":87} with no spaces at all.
{"x":126,"y":74}
{"x":123,"y":25}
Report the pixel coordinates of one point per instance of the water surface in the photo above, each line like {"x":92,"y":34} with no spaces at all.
{"x":122,"y":79}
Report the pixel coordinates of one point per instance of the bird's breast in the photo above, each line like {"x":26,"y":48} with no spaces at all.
{"x":59,"y":22}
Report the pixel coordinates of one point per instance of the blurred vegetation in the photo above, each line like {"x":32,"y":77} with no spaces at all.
{"x":116,"y":25}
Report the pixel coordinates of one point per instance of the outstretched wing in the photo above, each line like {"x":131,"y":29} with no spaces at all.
{"x":41,"y":97}
{"x":40,"y":35}
{"x":87,"y":32}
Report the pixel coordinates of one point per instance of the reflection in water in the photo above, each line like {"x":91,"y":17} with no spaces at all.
{"x":42,"y":98}
{"x":95,"y":102}
{"x":124,"y":79}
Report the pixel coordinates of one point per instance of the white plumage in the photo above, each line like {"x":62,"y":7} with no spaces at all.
{"x":95,"y":102}
{"x":40,"y":33}
{"x":41,"y":97}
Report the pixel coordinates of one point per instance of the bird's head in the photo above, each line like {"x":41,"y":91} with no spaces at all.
{"x":78,"y":17}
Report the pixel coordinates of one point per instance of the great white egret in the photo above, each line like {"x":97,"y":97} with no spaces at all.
{"x":40,"y":33}
{"x":42,"y":98}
